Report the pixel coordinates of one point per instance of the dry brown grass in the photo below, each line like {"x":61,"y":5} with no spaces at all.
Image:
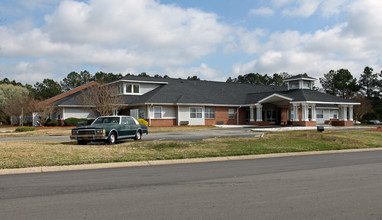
{"x":15,"y":154}
{"x":65,"y":131}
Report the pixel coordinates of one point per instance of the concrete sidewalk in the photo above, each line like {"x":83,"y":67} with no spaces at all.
{"x":265,"y":129}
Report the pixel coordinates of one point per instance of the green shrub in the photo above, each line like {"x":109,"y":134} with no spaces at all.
{"x":3,"y":121}
{"x":143,"y":122}
{"x":74,"y":121}
{"x":24,"y":128}
{"x":51,"y":123}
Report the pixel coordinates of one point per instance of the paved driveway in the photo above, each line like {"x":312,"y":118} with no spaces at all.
{"x":184,"y":135}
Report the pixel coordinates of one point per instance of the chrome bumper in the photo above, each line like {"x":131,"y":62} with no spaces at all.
{"x":88,"y":137}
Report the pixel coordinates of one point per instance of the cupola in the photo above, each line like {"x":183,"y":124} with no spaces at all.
{"x":301,"y":81}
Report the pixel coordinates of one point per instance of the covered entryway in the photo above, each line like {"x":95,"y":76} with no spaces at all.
{"x":272,"y":110}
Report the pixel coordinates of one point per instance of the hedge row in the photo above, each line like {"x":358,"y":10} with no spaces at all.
{"x":75,"y":121}
{"x":22,"y":129}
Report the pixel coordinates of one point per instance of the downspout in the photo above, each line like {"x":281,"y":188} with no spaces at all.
{"x":149,"y":113}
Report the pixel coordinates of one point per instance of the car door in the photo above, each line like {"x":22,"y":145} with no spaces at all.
{"x":132,"y":126}
{"x":125,"y":127}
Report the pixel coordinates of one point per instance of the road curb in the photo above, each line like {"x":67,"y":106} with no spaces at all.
{"x":169,"y":162}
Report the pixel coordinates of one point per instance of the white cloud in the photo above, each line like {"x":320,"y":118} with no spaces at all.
{"x":127,"y":35}
{"x":29,"y":72}
{"x":262,"y":11}
{"x":352,"y":44}
{"x":303,"y":8}
{"x":203,"y":72}
{"x":241,"y":69}
{"x":118,"y":34}
{"x":245,"y":40}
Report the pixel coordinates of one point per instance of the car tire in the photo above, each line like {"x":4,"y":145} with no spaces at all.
{"x":81,"y":142}
{"x":112,"y":138}
{"x":138,"y":136}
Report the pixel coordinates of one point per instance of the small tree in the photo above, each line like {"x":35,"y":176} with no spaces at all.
{"x":43,"y":109}
{"x":361,"y":110}
{"x":102,"y":98}
{"x":14,"y":101}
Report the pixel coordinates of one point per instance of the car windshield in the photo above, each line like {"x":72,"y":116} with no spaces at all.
{"x":106,"y":120}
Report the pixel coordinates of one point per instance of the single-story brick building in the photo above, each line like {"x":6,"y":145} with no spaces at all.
{"x":174,"y":102}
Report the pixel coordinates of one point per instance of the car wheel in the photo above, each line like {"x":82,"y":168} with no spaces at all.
{"x":80,"y":142}
{"x":138,"y":136}
{"x":112,"y":138}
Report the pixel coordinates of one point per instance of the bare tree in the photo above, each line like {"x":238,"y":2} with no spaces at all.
{"x":102,"y":98}
{"x":43,"y":109}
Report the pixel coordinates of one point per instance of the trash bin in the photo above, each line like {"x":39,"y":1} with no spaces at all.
{"x":320,"y":128}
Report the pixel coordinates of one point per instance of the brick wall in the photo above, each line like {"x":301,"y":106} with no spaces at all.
{"x":259,"y":123}
{"x":284,"y":116}
{"x":342,"y":123}
{"x":221,"y":116}
{"x":163,"y":122}
{"x":305,"y":123}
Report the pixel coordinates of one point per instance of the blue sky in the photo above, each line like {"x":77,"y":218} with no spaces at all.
{"x":211,"y":39}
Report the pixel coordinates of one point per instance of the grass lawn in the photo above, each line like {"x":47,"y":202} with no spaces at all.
{"x":47,"y":153}
{"x":9,"y":131}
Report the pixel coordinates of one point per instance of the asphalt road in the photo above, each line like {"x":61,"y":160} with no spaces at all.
{"x":332,"y":186}
{"x":184,"y":135}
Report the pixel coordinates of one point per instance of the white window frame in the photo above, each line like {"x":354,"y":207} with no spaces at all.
{"x":333,"y":114}
{"x":231,"y":113}
{"x":294,"y":85}
{"x":291,"y":111}
{"x":133,"y":88}
{"x":196,"y":114}
{"x":155,"y":112}
{"x":209,"y":113}
{"x":318,"y":115}
{"x":306,"y":84}
{"x":121,"y":88}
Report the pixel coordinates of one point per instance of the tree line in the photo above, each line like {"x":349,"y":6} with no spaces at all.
{"x":16,"y":98}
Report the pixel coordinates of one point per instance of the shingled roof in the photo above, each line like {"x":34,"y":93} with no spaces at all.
{"x":181,"y":91}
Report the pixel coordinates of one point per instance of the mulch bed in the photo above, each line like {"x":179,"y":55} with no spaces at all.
{"x":51,"y":127}
{"x":376,"y":129}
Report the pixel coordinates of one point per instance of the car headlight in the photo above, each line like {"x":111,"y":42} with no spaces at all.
{"x":100,"y":131}
{"x":75,"y":132}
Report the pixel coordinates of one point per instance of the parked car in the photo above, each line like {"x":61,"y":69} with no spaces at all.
{"x":374,"y":122}
{"x":357,"y":122}
{"x":110,"y":129}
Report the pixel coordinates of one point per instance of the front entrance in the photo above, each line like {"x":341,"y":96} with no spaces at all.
{"x":270,"y":116}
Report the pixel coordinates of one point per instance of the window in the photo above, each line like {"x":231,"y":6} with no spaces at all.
{"x":294,"y":85}
{"x":210,"y":113}
{"x":124,"y":120}
{"x":131,"y":121}
{"x":306,"y":85}
{"x":120,"y":89}
{"x":320,"y":114}
{"x":291,"y":114}
{"x":129,"y":88}
{"x":157,"y":112}
{"x":231,"y":113}
{"x":196,"y":113}
{"x":334,"y":114}
{"x":136,"y":88}
{"x":132,"y":88}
